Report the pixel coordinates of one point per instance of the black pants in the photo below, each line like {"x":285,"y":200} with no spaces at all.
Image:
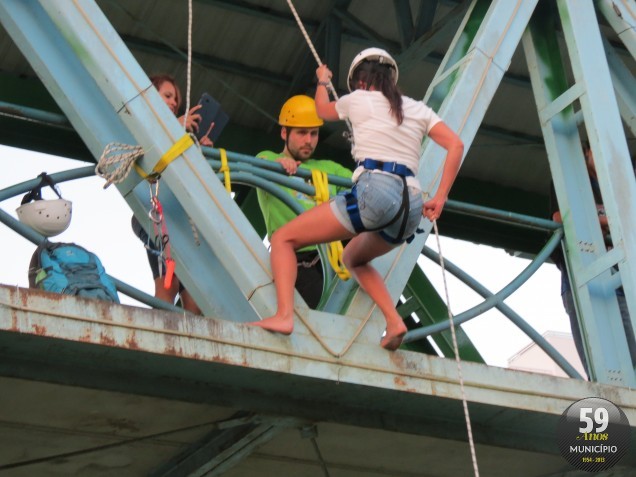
{"x":310,"y":278}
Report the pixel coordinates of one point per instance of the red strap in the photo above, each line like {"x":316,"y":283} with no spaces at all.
{"x":165,"y":242}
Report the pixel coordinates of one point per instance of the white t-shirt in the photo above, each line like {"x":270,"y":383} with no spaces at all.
{"x":376,"y":133}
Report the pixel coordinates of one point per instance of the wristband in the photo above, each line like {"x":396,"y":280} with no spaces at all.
{"x":323,"y":83}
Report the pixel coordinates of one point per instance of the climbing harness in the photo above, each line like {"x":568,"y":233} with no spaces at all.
{"x":353,"y":208}
{"x":457,"y":358}
{"x":334,"y":249}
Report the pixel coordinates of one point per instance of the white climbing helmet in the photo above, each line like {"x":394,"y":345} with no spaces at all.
{"x":49,"y":217}
{"x":372,"y":54}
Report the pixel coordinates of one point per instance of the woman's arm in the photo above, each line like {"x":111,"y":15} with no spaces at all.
{"x":325,"y":108}
{"x":449,"y":140}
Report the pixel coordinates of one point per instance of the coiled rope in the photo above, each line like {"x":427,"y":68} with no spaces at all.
{"x":116,"y":161}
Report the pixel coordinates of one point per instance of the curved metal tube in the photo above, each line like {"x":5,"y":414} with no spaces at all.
{"x":496,"y":300}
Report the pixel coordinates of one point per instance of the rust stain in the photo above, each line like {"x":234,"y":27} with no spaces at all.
{"x":217,"y":358}
{"x":23,"y":296}
{"x":39,"y":330}
{"x":398,"y":359}
{"x":86,"y":338}
{"x":398,"y":381}
{"x":14,"y":321}
{"x":171,"y":350}
{"x":106,"y":340}
{"x":131,"y":341}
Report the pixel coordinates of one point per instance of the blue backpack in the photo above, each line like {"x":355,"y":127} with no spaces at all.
{"x":72,"y":270}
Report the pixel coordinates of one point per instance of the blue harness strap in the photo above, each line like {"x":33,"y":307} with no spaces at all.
{"x":352,"y":199}
{"x":392,"y":167}
{"x":353,"y":210}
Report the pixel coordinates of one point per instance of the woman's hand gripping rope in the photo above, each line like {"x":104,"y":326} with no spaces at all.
{"x":432,"y":209}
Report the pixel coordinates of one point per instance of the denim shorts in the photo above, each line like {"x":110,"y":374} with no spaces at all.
{"x":380,"y":198}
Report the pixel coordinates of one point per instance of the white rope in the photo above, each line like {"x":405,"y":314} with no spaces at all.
{"x":309,"y":43}
{"x":330,"y":86}
{"x":116,"y":161}
{"x":457,"y":360}
{"x":189,"y":67}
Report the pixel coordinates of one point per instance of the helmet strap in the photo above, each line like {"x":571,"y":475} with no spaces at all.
{"x":36,"y":192}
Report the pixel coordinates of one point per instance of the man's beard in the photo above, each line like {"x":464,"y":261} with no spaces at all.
{"x":298,"y":156}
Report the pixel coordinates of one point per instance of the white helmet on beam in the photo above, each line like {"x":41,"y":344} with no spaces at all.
{"x":48,"y":217}
{"x":372,"y":54}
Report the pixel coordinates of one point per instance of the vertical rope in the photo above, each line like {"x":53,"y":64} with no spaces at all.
{"x":309,"y":42}
{"x":189,"y":67}
{"x":315,"y":53}
{"x":457,"y":360}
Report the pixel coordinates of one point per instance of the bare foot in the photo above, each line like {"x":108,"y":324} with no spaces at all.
{"x":393,"y":337}
{"x":277,"y":324}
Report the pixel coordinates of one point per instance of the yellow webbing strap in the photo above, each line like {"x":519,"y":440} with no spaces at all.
{"x":225,"y":169}
{"x":334,"y":249}
{"x":170,"y":155}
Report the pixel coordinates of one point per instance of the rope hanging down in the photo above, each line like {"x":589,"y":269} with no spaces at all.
{"x":457,"y":359}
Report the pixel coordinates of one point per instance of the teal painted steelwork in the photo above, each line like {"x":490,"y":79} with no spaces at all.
{"x":622,"y":17}
{"x":256,"y":172}
{"x":520,"y":220}
{"x":52,"y":119}
{"x":427,"y":305}
{"x":126,"y":109}
{"x":108,"y":98}
{"x":500,"y":305}
{"x":623,"y":81}
{"x":589,"y":264}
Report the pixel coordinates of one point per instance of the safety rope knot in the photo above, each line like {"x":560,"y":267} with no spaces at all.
{"x":122,"y":157}
{"x":334,"y":249}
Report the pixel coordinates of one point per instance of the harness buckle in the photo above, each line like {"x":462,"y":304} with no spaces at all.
{"x":387,"y":166}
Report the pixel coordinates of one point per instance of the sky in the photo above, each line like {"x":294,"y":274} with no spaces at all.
{"x":101,"y":223}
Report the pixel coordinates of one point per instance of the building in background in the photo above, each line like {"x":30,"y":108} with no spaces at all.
{"x":534,"y":359}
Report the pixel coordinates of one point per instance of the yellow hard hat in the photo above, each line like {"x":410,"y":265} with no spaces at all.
{"x":299,"y":112}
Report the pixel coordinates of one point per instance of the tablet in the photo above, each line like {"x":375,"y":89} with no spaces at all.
{"x":211,"y":112}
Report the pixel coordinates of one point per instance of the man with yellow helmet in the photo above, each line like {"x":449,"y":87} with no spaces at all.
{"x":299,"y":130}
